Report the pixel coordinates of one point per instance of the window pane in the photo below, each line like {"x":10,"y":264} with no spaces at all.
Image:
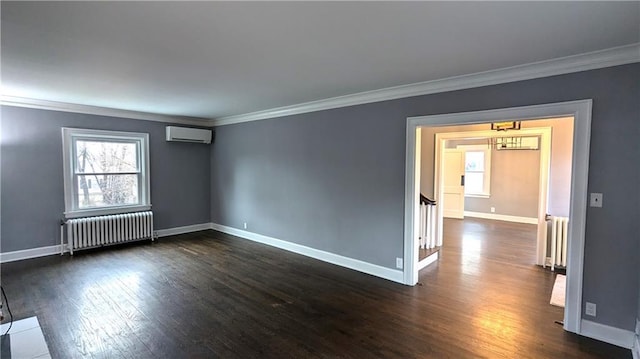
{"x":473,"y":182}
{"x":474,"y":161}
{"x":105,"y":157}
{"x":106,"y":190}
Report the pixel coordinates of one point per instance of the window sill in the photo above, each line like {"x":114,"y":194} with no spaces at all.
{"x":478,"y":195}
{"x":106,"y":211}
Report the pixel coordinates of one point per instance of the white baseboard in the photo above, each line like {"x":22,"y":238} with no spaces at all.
{"x":29,"y":253}
{"x":430,"y":259}
{"x":51,"y":250}
{"x":355,"y":264}
{"x":501,"y":217}
{"x":612,"y":335}
{"x":184,"y":229}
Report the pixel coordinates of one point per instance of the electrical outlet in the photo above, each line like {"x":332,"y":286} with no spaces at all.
{"x":493,"y":209}
{"x":399,"y":263}
{"x":244,"y":225}
{"x":590,"y":309}
{"x":595,"y":200}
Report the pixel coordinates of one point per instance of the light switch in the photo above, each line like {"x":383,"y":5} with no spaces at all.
{"x":596,"y":200}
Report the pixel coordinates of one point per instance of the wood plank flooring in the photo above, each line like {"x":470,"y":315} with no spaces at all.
{"x":211,"y":295}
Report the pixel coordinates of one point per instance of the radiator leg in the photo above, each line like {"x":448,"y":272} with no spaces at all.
{"x":70,"y":237}
{"x":61,"y":237}
{"x":554,"y":245}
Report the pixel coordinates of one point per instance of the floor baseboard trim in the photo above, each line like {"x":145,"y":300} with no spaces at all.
{"x":29,"y":253}
{"x":608,"y":334}
{"x":184,"y":229}
{"x":51,"y":250}
{"x":430,"y":259}
{"x":355,"y":264}
{"x":501,"y":217}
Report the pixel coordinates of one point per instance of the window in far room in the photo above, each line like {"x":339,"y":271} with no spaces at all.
{"x":477,"y":170}
{"x":105,"y":172}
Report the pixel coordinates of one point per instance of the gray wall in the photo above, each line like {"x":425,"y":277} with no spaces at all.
{"x":334,"y":179}
{"x":321,"y":182}
{"x":32,"y":184}
{"x":515,"y":180}
{"x":559,"y":166}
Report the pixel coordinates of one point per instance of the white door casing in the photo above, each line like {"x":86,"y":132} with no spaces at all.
{"x":581,"y":111}
{"x":543,"y":185}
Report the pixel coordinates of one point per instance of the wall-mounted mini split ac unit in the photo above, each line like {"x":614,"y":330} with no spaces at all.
{"x":187,"y":134}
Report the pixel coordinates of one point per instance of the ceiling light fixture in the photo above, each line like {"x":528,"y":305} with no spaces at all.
{"x":505,"y":126}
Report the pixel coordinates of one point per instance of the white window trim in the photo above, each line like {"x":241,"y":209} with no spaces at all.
{"x":486,"y":189}
{"x":68,"y":135}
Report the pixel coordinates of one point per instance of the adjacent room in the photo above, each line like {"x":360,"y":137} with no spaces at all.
{"x":320,"y":179}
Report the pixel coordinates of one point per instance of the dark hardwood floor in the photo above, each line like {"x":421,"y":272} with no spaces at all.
{"x":207,"y":295}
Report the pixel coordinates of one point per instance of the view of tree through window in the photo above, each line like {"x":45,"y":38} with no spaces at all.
{"x":107,"y":173}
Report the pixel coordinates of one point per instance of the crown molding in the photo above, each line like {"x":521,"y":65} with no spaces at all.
{"x":588,"y":61}
{"x":101,"y":111}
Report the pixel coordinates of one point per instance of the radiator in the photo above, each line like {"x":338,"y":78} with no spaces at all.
{"x":90,"y":232}
{"x":427,"y":231}
{"x":557,"y":239}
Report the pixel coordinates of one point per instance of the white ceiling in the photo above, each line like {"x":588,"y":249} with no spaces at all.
{"x":217,"y":59}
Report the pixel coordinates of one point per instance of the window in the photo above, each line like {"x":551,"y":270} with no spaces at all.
{"x":477,"y":170}
{"x":105,"y":172}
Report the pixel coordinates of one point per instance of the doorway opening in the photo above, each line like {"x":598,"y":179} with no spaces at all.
{"x":581,"y":112}
{"x":521,"y":184}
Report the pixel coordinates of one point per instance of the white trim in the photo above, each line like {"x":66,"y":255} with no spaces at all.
{"x":563,"y":65}
{"x":486,"y":171}
{"x":608,"y":334}
{"x":430,"y":259}
{"x":30,"y":253}
{"x":69,"y":165}
{"x":355,"y":264}
{"x":477,"y":195}
{"x":588,"y":61}
{"x":59,"y":249}
{"x":581,"y":111}
{"x":106,"y":211}
{"x":411,"y":205}
{"x":543,"y":182}
{"x":501,"y":217}
{"x":100,"y":111}
{"x":181,"y":230}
